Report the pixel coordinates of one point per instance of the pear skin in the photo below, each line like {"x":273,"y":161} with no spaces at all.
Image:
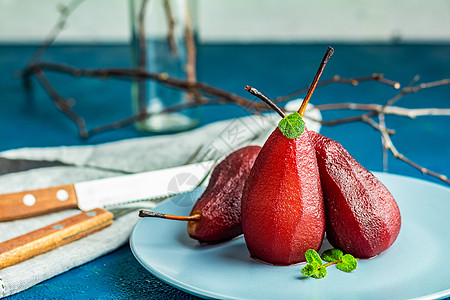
{"x":220,"y":204}
{"x":282,"y":204}
{"x":362,"y":217}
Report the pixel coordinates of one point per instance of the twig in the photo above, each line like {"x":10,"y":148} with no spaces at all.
{"x":191,"y":50}
{"x":221,"y":96}
{"x":171,"y":28}
{"x":129,"y":74}
{"x":65,"y":12}
{"x":383,"y":108}
{"x":337,"y":79}
{"x":144,"y":115}
{"x":212,"y":95}
{"x":142,"y":55}
{"x":389,"y":110}
{"x":388,"y":144}
{"x":196,"y":89}
{"x":403,"y":92}
{"x":375,"y":125}
{"x":62,"y":104}
{"x":381,"y":121}
{"x":142,"y":60}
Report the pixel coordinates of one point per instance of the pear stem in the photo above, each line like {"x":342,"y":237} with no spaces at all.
{"x":264,"y":98}
{"x":150,"y":214}
{"x":313,"y":85}
{"x":331,"y":263}
{"x":335,"y":262}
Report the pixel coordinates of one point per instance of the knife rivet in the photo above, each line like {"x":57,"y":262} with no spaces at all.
{"x":91,"y":214}
{"x":62,"y":195}
{"x":29,"y":200}
{"x":58,"y":226}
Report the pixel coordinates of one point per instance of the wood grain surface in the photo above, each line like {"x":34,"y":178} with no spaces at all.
{"x":26,"y":204}
{"x":52,"y":236}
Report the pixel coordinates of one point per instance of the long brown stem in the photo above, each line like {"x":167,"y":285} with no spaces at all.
{"x":331,"y":263}
{"x":150,"y":214}
{"x":264,"y":98}
{"x":334,"y":262}
{"x":313,"y":85}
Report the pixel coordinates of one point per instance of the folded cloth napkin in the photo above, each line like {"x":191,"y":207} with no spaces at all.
{"x":106,"y":160}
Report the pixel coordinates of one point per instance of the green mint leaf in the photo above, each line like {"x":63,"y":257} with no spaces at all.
{"x":292,"y":126}
{"x":308,"y":270}
{"x":314,"y":270}
{"x":320,"y":273}
{"x":332,"y":255}
{"x":348,"y":263}
{"x":316,"y":265}
{"x":312,"y":256}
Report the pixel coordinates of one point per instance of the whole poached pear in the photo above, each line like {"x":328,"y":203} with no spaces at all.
{"x":220,"y":204}
{"x":216,"y":215}
{"x":282,"y":203}
{"x":362,"y":217}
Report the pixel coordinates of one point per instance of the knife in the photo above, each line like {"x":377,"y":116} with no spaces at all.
{"x":104,"y":192}
{"x":47,"y":238}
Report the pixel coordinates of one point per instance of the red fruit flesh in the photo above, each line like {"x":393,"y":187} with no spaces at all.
{"x":362,"y":217}
{"x":282,"y":204}
{"x":220,"y":204}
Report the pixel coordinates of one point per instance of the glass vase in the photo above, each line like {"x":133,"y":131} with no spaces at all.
{"x":163,"y":42}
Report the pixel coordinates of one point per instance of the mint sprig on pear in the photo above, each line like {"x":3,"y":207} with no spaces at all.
{"x":316,"y":269}
{"x":292,"y":126}
{"x":332,"y":255}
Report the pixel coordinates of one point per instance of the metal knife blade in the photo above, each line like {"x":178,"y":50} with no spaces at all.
{"x":103,"y":192}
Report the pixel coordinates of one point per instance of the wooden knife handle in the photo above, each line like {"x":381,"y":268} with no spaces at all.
{"x":52,"y":236}
{"x":26,"y":204}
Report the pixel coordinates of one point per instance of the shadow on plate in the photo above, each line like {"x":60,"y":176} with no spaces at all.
{"x":237,"y":251}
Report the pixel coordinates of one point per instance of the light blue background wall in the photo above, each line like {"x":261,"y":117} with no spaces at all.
{"x":243,"y":20}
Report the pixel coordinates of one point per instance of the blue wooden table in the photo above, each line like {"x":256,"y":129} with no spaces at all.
{"x":274,"y":69}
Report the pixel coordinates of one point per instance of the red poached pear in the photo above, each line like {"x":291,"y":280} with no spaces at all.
{"x":220,"y":204}
{"x":282,"y":204}
{"x":362,"y":217}
{"x":216,"y":215}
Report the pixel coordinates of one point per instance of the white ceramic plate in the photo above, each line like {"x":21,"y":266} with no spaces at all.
{"x":415,"y":266}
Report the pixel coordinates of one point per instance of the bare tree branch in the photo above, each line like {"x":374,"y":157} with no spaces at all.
{"x":208,"y":94}
{"x":171,"y":28}
{"x":337,"y":79}
{"x":388,"y":144}
{"x":65,"y":12}
{"x":205,"y":94}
